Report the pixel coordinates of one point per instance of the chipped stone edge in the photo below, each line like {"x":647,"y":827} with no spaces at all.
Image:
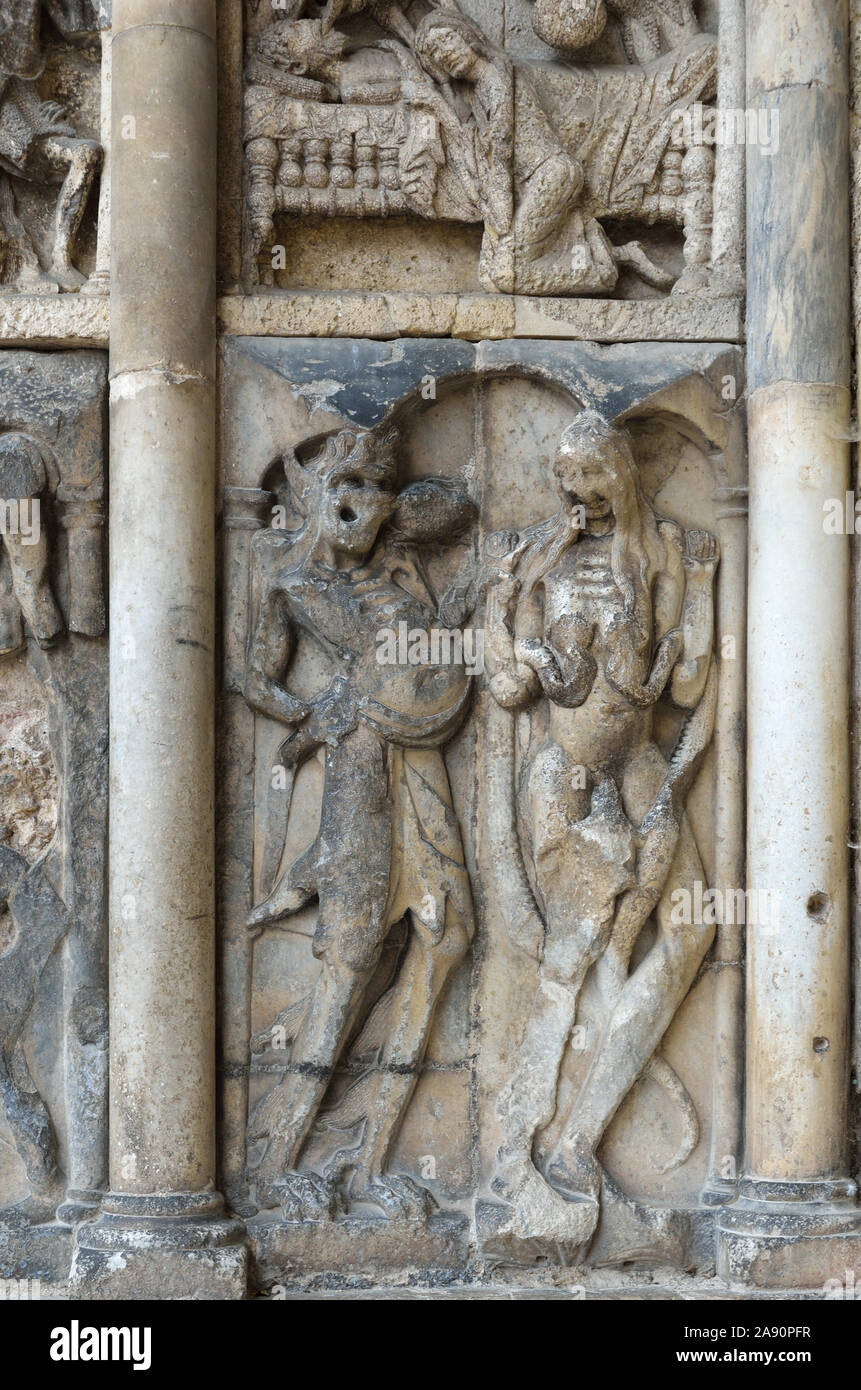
{"x":41,"y":321}
{"x":365,"y":314}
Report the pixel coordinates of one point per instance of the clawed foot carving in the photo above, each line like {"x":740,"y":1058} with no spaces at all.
{"x":238,"y":1200}
{"x":67,"y":276}
{"x":538,"y":1210}
{"x":34,"y":280}
{"x":395,"y":1195}
{"x":301,"y":1197}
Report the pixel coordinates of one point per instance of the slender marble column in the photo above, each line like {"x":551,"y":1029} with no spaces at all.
{"x":796,"y":1222}
{"x":162,"y":1232}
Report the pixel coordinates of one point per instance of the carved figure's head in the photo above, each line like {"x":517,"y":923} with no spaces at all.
{"x":346,"y":486}
{"x":595,"y":469}
{"x":302,"y":48}
{"x":570,"y":25}
{"x":449,"y":45}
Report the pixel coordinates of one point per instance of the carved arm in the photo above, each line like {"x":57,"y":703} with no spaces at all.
{"x":513,"y":683}
{"x":700,"y":561}
{"x":330,"y":715}
{"x":269,"y":654}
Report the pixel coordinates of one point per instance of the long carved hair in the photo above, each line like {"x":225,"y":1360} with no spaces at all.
{"x":638,"y":553}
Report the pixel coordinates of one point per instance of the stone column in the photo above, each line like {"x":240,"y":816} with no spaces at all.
{"x":855,"y":151}
{"x":729,"y":744}
{"x":796,"y":1222}
{"x":99,"y":280}
{"x":728,"y":233}
{"x":245,"y":510}
{"x":163,"y":1231}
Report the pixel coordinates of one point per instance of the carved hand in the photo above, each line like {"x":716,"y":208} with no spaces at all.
{"x":567,"y":690}
{"x":505,"y":591}
{"x":701,"y":554}
{"x":333,"y":714}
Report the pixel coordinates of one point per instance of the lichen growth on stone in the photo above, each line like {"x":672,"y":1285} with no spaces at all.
{"x":28,"y":780}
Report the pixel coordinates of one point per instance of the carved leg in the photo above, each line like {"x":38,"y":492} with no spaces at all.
{"x":545,"y":203}
{"x":582,"y":865}
{"x":528,"y":1102}
{"x":29,"y":561}
{"x":19,"y":256}
{"x":646,"y":1006}
{"x":555,"y":806}
{"x":11,"y":626}
{"x":426,"y":970}
{"x":78,"y":161}
{"x":527,"y":1105}
{"x":27,"y":1117}
{"x":287,"y":1113}
{"x":352,"y":879}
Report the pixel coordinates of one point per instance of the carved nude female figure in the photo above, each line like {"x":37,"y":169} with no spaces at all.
{"x":601,"y":611}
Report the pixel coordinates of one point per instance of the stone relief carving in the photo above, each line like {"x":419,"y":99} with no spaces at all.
{"x":646,"y":28}
{"x":597,"y":614}
{"x":382,"y":1081}
{"x":434,"y":120}
{"x":388,"y":853}
{"x":52,"y":943}
{"x":41,"y":148}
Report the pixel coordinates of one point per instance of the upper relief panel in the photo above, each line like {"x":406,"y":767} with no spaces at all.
{"x":50,"y":156}
{"x":534,"y":148}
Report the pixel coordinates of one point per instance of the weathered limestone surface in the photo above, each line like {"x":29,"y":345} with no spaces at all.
{"x":53,"y":982}
{"x":389,"y":1156}
{"x":162,"y":1225}
{"x":455,"y":899}
{"x":798,"y":1218}
{"x":49,"y":152}
{"x":534,"y":128}
{"x":479,"y":316}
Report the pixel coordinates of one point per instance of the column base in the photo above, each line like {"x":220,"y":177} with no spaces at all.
{"x":718,"y":1192}
{"x":790,"y":1235}
{"x":171,"y":1246}
{"x":79,"y":1204}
